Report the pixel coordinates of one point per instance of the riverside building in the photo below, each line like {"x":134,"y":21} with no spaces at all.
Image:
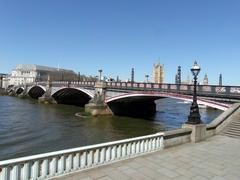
{"x":29,"y":73}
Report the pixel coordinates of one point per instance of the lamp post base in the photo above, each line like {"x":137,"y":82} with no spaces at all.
{"x":194,"y":117}
{"x":198,"y":131}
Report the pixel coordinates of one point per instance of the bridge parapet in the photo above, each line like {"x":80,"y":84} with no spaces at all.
{"x":202,"y":90}
{"x":228,"y":92}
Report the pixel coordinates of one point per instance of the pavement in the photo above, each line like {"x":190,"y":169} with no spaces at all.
{"x":217,"y":158}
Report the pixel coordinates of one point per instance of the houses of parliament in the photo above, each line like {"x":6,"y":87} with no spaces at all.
{"x":158,"y":73}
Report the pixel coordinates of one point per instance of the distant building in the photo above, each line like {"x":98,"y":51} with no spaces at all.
{"x":220,"y":80}
{"x":205,"y":80}
{"x":158,"y":73}
{"x":178,"y":76}
{"x":132,"y":75}
{"x":29,"y":73}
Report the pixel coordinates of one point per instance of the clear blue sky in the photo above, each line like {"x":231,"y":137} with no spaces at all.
{"x":116,"y":35}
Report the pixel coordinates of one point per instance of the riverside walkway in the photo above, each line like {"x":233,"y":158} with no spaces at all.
{"x":216,"y":158}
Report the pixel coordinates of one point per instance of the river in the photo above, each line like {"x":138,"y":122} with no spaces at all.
{"x":27,"y":127}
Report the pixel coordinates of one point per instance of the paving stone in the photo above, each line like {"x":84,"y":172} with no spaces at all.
{"x":199,"y":178}
{"x":149,"y":172}
{"x":218,"y":178}
{"x":104,"y":178}
{"x":138,"y":176}
{"x":117,"y":175}
{"x":168,"y":172}
{"x":95,"y":174}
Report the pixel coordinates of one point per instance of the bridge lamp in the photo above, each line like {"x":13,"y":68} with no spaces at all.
{"x":100,"y":74}
{"x":194,"y":117}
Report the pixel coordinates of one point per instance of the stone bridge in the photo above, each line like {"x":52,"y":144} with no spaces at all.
{"x":122,"y":98}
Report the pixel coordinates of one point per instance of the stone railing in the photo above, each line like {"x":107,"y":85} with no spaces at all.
{"x":218,"y":124}
{"x":44,"y":166}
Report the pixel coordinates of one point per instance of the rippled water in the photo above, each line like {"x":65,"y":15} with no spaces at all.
{"x":27,"y":127}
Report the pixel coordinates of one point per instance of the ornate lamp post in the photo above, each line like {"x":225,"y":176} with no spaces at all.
{"x":194,"y":117}
{"x":100,"y":74}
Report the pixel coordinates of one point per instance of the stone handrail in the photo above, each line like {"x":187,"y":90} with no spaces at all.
{"x":222,"y":117}
{"x":52,"y":164}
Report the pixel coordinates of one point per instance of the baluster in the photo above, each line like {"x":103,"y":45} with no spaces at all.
{"x":83,"y":159}
{"x":96,"y":157}
{"x":158,"y":142}
{"x":69,"y":162}
{"x":146,"y":145}
{"x":53,"y":166}
{"x":25,"y":173}
{"x":44,"y":168}
{"x":119,"y":152}
{"x":35,"y":170}
{"x":154,"y":143}
{"x":76,"y":161}
{"x":14,"y":173}
{"x":102,"y":155}
{"x":4,"y":173}
{"x":61,"y":164}
{"x":108,"y":154}
{"x":137,"y":147}
{"x":90,"y":158}
{"x":113,"y":153}
{"x":128,"y":149}
{"x":149,"y":144}
{"x":133,"y":148}
{"x":124,"y":149}
{"x":142,"y":146}
{"x":161,"y":143}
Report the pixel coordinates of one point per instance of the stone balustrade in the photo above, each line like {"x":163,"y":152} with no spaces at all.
{"x":52,"y":164}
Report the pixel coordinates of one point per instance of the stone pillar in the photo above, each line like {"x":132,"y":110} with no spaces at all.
{"x":24,"y":93}
{"x":47,"y":98}
{"x":97,"y":105}
{"x":198,"y":132}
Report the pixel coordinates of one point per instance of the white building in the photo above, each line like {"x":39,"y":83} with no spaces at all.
{"x":29,"y":73}
{"x":3,"y":80}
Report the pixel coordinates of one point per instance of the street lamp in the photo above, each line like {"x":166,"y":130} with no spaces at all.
{"x":146,"y":76}
{"x":100,"y":74}
{"x":194,"y":117}
{"x":78,"y":77}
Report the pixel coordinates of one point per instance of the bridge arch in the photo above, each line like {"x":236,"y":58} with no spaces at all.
{"x":19,"y":90}
{"x":143,"y":103}
{"x":73,"y":96}
{"x":36,"y":91}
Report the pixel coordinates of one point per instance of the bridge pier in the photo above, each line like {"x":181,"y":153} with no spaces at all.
{"x":24,"y":93}
{"x":46,"y":97}
{"x":97,"y":105}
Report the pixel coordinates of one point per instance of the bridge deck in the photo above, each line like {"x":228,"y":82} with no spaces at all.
{"x":216,"y":158}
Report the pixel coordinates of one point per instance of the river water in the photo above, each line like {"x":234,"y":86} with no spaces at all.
{"x":27,"y":127}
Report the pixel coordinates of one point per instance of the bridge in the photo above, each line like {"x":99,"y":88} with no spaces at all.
{"x":125,"y":98}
